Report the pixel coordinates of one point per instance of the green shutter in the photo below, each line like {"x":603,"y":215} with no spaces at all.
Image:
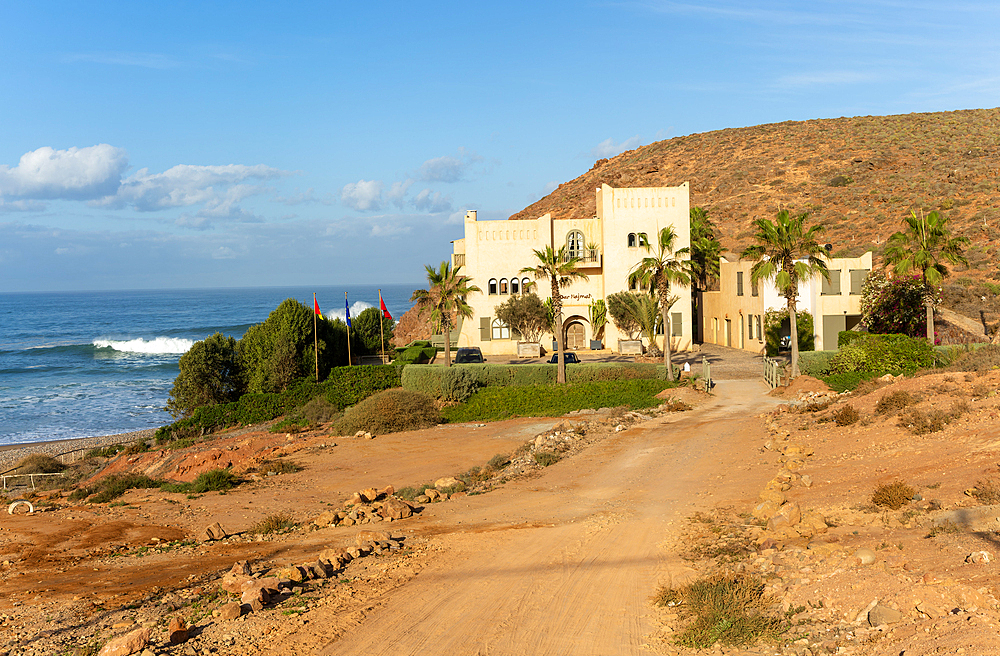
{"x":739,"y":283}
{"x":485,"y":329}
{"x":675,"y":324}
{"x":832,"y":288}
{"x":857,"y":279}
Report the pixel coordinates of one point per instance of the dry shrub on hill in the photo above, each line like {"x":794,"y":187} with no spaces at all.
{"x":390,"y":411}
{"x":892,"y":495}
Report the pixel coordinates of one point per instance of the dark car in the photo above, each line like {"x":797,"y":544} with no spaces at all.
{"x":469,"y":355}
{"x":569,"y":357}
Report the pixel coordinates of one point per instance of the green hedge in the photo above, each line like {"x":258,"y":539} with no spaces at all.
{"x":460,"y":381}
{"x":344,"y":387}
{"x":845,"y":337}
{"x":815,"y":363}
{"x":883,"y":353}
{"x":497,"y":403}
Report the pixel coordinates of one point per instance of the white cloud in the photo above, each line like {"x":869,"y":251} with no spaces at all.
{"x":72,"y":174}
{"x":389,"y":230}
{"x":397,"y":193}
{"x":21,"y":206}
{"x":608,"y":148}
{"x":447,"y":168}
{"x":433,"y":202}
{"x":362,"y":195}
{"x":223,"y":253}
{"x":217,"y":187}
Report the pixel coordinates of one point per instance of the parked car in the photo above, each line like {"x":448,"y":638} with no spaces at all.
{"x":469,"y":355}
{"x":569,"y":357}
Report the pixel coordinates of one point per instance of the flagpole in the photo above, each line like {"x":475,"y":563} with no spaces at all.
{"x":349,"y":363}
{"x":381,"y":326}
{"x":315,"y":337}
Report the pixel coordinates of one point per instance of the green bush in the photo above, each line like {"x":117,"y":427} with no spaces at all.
{"x":210,"y":373}
{"x":374,"y":330}
{"x":496,"y":403}
{"x":417,"y":352}
{"x":845,"y":337}
{"x":849,"y":381}
{"x":343,"y":387}
{"x":546,"y":458}
{"x":883,"y":353}
{"x":458,"y":383}
{"x":772,"y":329}
{"x":815,"y":363}
{"x":390,"y":411}
{"x":210,"y":481}
{"x":113,"y":486}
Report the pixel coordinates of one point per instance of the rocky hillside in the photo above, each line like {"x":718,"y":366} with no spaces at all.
{"x":856,"y":176}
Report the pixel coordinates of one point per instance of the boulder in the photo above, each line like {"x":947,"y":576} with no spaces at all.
{"x":395,"y":508}
{"x":177,"y":631}
{"x":230,"y":611}
{"x":326,"y":518}
{"x":130,"y":643}
{"x":291,"y":574}
{"x":214,"y":532}
{"x":370,"y":536}
{"x":787,"y":516}
{"x":883,"y":615}
{"x":865,"y":556}
{"x":765,"y":509}
{"x":368,"y":494}
{"x":448,"y":481}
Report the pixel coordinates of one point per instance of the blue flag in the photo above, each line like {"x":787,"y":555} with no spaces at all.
{"x":347,"y":307}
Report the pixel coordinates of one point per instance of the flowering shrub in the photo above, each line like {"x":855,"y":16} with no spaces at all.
{"x":896,"y":305}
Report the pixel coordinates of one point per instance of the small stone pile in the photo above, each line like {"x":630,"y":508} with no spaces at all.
{"x":805,"y":400}
{"x":368,"y":506}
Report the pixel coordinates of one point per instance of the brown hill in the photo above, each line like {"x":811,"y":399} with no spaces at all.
{"x":856,"y":176}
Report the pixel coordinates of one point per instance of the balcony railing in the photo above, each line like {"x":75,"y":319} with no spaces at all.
{"x":588,"y":257}
{"x":459,"y":259}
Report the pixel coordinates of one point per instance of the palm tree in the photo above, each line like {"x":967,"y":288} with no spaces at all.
{"x":786,"y":253}
{"x":925,"y":243}
{"x":561,"y":270}
{"x":657,"y":272}
{"x":445,"y":297}
{"x":703,"y":266}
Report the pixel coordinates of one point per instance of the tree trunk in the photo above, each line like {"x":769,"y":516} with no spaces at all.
{"x":557,"y":331}
{"x":447,"y":344}
{"x":930,"y":323}
{"x":793,"y":324}
{"x":667,"y":360}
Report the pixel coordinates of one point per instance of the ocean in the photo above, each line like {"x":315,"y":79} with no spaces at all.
{"x":87,"y":364}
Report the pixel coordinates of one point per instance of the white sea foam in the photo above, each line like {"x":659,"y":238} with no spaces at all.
{"x":356,"y":309}
{"x":153,"y":346}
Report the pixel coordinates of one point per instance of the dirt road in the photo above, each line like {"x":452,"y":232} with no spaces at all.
{"x":566,"y":563}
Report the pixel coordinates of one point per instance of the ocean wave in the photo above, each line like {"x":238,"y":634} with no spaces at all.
{"x":172,"y":345}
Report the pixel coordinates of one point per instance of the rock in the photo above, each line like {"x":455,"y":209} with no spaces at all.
{"x":978,"y":557}
{"x":234,"y":583}
{"x":449,"y":481}
{"x":291,"y":574}
{"x":318,"y":570}
{"x":271,"y":585}
{"x":865,"y":556}
{"x":765,"y":510}
{"x":883,"y":615}
{"x":130,"y":643}
{"x":387,"y":491}
{"x":772,"y":494}
{"x":230,"y":611}
{"x":395,"y":508}
{"x":863,"y":615}
{"x":368,"y":494}
{"x":807,"y":480}
{"x":370,"y":536}
{"x":326,"y":518}
{"x":787,"y":516}
{"x":177,"y":631}
{"x":214,"y":532}
{"x":253,"y":599}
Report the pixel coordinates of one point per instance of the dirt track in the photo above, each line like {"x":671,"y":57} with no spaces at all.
{"x":566,"y":563}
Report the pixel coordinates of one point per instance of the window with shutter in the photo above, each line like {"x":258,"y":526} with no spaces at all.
{"x":739,"y":283}
{"x":485,"y":329}
{"x":675,"y":324}
{"x":831,"y":287}
{"x":857,"y":280}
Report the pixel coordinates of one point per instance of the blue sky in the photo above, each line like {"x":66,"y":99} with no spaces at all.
{"x":190,"y":144}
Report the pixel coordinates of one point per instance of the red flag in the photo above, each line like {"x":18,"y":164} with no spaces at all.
{"x":385,"y":312}
{"x":316,"y":306}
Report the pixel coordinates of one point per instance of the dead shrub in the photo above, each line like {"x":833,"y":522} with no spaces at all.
{"x":389,"y":411}
{"x":986,"y":492}
{"x":846,"y":415}
{"x":893,"y":402}
{"x":40,"y":464}
{"x":981,"y":360}
{"x":272,"y":524}
{"x":892,"y":495}
{"x":318,"y":411}
{"x":921,"y":422}
{"x":868,"y":386}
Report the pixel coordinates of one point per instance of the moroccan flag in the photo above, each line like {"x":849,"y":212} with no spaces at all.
{"x":381,"y":303}
{"x":316,"y":306}
{"x":347,"y":307}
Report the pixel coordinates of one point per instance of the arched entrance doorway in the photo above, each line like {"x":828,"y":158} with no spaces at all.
{"x":576,"y":336}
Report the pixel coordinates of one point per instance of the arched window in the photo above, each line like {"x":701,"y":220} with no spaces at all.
{"x":643,"y":239}
{"x":493,"y":286}
{"x":526,"y":285}
{"x":500,"y":330}
{"x":514,"y":286}
{"x":503,"y":285}
{"x":632,"y":243}
{"x":574,"y":244}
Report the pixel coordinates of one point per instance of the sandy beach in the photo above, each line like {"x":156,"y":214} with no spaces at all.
{"x":11,"y":454}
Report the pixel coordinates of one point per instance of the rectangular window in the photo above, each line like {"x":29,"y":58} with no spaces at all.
{"x":675,"y":324}
{"x":485,"y":334}
{"x":750,"y":325}
{"x":831,"y":287}
{"x":857,"y":279}
{"x":754,"y":288}
{"x":739,"y":283}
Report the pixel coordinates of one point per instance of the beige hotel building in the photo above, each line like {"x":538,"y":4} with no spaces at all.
{"x":609,"y":246}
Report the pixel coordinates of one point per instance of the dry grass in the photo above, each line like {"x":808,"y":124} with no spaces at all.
{"x":40,"y":464}
{"x":892,"y":495}
{"x":389,"y":411}
{"x":728,"y":609}
{"x":273,"y":523}
{"x":986,"y":492}
{"x":894,"y":402}
{"x":846,"y":415}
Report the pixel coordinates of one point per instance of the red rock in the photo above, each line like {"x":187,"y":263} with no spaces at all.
{"x":130,"y":643}
{"x":177,"y":630}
